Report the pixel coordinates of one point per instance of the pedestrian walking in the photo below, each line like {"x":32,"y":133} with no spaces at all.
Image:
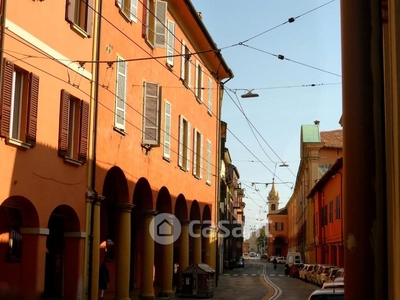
{"x":104,"y":279}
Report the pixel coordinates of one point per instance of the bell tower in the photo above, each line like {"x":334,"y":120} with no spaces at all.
{"x":273,"y":200}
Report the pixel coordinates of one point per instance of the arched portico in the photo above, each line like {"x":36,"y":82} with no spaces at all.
{"x":115,"y":236}
{"x":64,"y":254}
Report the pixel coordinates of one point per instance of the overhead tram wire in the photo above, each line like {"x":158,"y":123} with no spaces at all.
{"x":282,"y":57}
{"x":290,"y":20}
{"x":249,"y":122}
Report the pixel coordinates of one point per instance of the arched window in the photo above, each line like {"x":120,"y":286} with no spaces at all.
{"x":273,"y":206}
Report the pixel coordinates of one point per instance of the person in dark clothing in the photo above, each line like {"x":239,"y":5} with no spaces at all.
{"x":104,"y":279}
{"x":275,"y":262}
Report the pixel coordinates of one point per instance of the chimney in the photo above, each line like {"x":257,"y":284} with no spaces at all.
{"x":316,"y":122}
{"x":200,"y":15}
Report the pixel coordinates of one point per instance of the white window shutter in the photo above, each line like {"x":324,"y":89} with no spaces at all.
{"x":201,"y":83}
{"x":196,"y":79}
{"x":167,"y":130}
{"x":209,"y":95}
{"x":171,"y":43}
{"x":160,"y":24}
{"x":188,"y":147}
{"x":194,"y":151}
{"x":134,"y":9}
{"x":201,"y":157}
{"x":119,"y":3}
{"x":208,"y":162}
{"x":183,"y":54}
{"x":120,"y":94}
{"x":151,"y":113}
{"x":189,"y":80}
{"x":180,"y":150}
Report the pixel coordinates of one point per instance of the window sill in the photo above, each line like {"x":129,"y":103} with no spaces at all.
{"x":126,"y":17}
{"x":167,"y":159}
{"x":79,"y":30}
{"x":19,"y":144}
{"x":120,"y":131}
{"x":72,"y":161}
{"x":199,"y":100}
{"x":209,"y":113}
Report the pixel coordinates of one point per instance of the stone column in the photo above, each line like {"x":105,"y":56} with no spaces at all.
{"x":167,"y":253}
{"x":197,"y":243}
{"x":95,"y":251}
{"x":210,"y":246}
{"x":123,"y":251}
{"x":183,"y":251}
{"x":147,"y":290}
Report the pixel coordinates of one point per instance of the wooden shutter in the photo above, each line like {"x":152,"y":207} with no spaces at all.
{"x":209,"y":95}
{"x":183,"y":54}
{"x":120,"y":94}
{"x":151,"y":114}
{"x":196,"y":79}
{"x":188,"y":147}
{"x":171,"y":43}
{"x":134,"y":9}
{"x":160,"y":24}
{"x":5,"y":118}
{"x":70,"y":11}
{"x":189,"y":71}
{"x":84,"y":131}
{"x":144,"y":18}
{"x":32,"y":110}
{"x":181,"y":143}
{"x":64,"y":122}
{"x":208,"y":161}
{"x":167,"y":130}
{"x":201,"y":157}
{"x":194,"y":151}
{"x":89,"y":17}
{"x":201,"y":96}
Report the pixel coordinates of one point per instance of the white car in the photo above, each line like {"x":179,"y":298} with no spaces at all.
{"x":281,"y":260}
{"x":331,"y":294}
{"x":333,"y":285}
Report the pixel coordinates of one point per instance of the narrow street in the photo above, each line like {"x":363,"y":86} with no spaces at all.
{"x":259,"y":281}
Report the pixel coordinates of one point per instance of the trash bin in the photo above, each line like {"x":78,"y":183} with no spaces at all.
{"x":198,"y":281}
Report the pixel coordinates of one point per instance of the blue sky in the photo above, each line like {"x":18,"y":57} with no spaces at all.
{"x":302,"y":87}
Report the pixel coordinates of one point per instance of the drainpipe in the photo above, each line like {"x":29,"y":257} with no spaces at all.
{"x":3,"y":28}
{"x":93,"y":199}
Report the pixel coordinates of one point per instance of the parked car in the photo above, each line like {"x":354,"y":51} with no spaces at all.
{"x":314,"y":275}
{"x":333,"y":285}
{"x":302,"y":272}
{"x":332,"y":274}
{"x":252,"y":254}
{"x":310,"y":272}
{"x":294,"y":271}
{"x":340,"y":272}
{"x":321,"y":277}
{"x":327,"y":294}
{"x":281,"y":260}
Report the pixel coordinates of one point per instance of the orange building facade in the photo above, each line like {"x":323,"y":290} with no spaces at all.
{"x":319,"y":151}
{"x":327,"y":198}
{"x":102,"y":137}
